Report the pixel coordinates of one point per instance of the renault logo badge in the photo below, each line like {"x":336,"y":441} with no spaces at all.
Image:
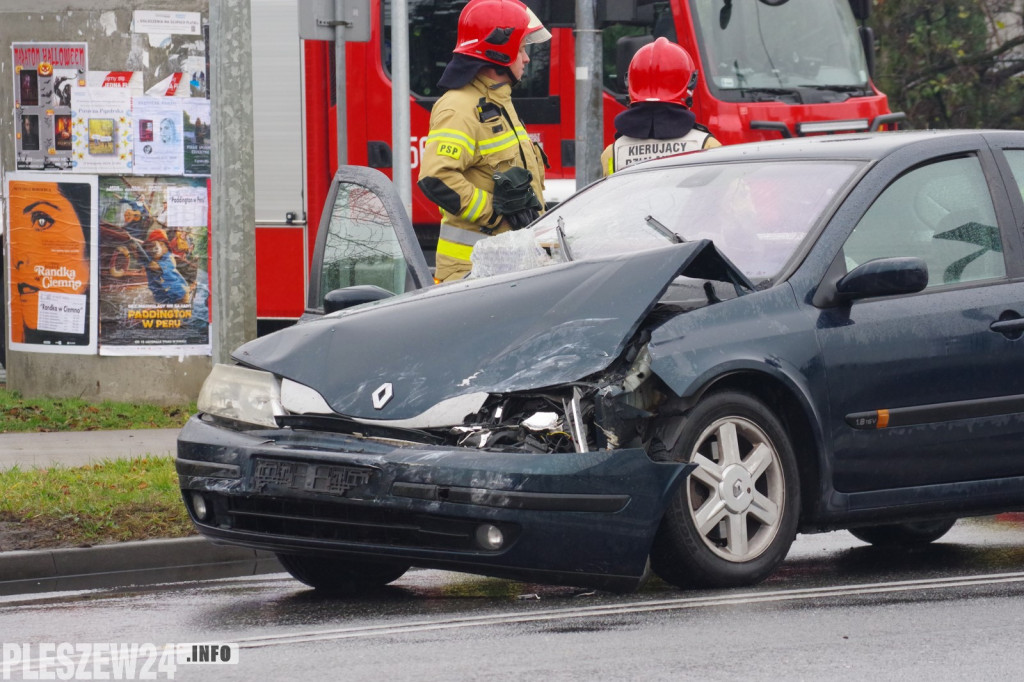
{"x":382,"y":396}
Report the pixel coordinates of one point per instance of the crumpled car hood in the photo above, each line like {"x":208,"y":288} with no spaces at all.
{"x":514,"y":332}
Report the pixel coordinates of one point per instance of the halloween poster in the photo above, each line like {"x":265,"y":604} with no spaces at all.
{"x":44,"y":74}
{"x":51,"y":263}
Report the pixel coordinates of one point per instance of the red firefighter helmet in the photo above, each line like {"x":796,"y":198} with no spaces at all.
{"x":492,"y":30}
{"x":661,"y":72}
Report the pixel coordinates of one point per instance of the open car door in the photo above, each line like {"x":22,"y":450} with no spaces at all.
{"x":365,"y":238}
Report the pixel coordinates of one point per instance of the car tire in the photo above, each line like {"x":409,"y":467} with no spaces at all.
{"x":341,"y":575}
{"x":903,"y":534}
{"x":733,"y":520}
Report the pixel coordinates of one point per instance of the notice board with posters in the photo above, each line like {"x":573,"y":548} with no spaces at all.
{"x":110,"y":196}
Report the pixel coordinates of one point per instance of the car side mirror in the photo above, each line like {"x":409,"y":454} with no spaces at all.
{"x":879,"y":277}
{"x":861,"y":9}
{"x":339,"y":299}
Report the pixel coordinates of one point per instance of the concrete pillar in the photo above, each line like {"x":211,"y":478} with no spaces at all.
{"x":233,"y":238}
{"x":589,"y":109}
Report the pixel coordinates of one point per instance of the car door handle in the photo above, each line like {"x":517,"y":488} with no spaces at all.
{"x":1013,"y":325}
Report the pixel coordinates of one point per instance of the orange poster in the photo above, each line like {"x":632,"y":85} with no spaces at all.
{"x":51,"y":262}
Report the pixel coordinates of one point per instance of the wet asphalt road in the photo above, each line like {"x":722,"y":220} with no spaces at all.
{"x":837,"y":609}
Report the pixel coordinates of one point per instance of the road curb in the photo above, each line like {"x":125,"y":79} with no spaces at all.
{"x":129,"y":563}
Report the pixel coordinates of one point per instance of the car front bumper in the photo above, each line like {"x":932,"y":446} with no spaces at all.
{"x":571,"y":518}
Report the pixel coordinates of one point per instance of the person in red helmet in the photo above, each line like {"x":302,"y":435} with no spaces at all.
{"x":658,"y":121}
{"x":479,"y":164}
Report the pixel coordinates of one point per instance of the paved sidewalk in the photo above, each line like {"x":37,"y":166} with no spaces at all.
{"x":119,"y":564}
{"x":78,"y":448}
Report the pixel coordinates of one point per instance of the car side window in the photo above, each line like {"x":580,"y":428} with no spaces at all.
{"x":941,"y":212}
{"x":1015,"y":157}
{"x":361,"y":245}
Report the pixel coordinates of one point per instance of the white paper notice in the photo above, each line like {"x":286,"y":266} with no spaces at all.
{"x":130,"y":80}
{"x":186,"y":207}
{"x":63,"y":313}
{"x":166,"y":22}
{"x":159,"y":144}
{"x":102,"y":130}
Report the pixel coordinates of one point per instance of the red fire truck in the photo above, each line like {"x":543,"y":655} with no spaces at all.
{"x":767,"y":68}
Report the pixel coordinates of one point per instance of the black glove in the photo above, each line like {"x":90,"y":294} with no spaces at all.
{"x":514,"y":198}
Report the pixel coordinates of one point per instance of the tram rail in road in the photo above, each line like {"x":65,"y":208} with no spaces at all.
{"x":722,"y":599}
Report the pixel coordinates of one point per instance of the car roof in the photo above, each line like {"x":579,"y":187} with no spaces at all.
{"x":858,"y":146}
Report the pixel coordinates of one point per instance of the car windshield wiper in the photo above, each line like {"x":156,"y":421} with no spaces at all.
{"x":563,"y":243}
{"x":845,"y":89}
{"x":664,"y":231}
{"x":771,"y":92}
{"x":835,"y":88}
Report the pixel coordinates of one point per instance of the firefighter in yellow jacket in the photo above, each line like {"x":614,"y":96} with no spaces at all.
{"x":479,"y":164}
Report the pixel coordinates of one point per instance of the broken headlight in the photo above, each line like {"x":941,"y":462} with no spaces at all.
{"x":241,"y":394}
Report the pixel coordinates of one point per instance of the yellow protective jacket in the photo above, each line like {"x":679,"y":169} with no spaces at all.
{"x":474,"y":132}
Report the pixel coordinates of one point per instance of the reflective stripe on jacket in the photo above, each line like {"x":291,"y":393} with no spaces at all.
{"x":626,"y":151}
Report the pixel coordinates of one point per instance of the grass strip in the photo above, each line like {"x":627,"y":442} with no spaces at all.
{"x":111,"y":501}
{"x":18,"y":414}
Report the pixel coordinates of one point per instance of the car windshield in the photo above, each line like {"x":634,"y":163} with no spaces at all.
{"x":756,"y":213}
{"x":780,"y":44}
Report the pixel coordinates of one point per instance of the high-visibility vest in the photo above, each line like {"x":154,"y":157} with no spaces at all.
{"x":629,"y":150}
